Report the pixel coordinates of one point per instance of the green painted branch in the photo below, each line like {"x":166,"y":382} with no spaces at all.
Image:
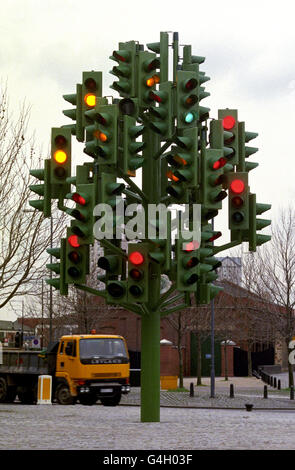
{"x":162,"y":149}
{"x":105,"y":243}
{"x":166,"y":295}
{"x":173,"y":299}
{"x":101,"y":293}
{"x":132,"y":195}
{"x":217,"y":249}
{"x":132,"y":185}
{"x":132,"y":308}
{"x":174,"y":309}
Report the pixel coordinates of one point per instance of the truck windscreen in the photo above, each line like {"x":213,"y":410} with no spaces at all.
{"x":102,"y":347}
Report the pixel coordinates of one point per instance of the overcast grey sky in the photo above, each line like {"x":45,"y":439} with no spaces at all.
{"x":249,"y":50}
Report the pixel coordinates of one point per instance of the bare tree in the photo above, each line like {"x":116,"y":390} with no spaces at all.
{"x":24,"y":235}
{"x":271,"y":272}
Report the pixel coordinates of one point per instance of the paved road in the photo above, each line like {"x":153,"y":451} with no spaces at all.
{"x":97,"y":427}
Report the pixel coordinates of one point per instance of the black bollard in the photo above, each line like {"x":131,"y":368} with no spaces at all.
{"x":248,"y":406}
{"x":275,"y":382}
{"x":271,"y":381}
{"x":292,"y":393}
{"x":231,"y":391}
{"x":191,"y":390}
{"x":279,"y":385}
{"x":265,"y":391}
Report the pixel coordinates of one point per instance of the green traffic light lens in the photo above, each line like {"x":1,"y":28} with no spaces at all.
{"x":116,"y":290}
{"x":60,"y":172}
{"x":136,"y":291}
{"x":237,"y":217}
{"x":74,"y":272}
{"x":189,"y":118}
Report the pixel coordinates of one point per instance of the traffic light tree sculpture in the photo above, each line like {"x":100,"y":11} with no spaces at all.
{"x":154,"y":138}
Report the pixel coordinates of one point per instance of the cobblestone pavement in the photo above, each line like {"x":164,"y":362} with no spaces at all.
{"x":187,"y":423}
{"x":119,"y":428}
{"x":246,"y":390}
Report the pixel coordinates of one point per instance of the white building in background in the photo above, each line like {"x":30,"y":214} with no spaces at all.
{"x":231,"y":269}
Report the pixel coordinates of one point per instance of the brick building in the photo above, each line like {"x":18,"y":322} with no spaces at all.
{"x":232,"y":324}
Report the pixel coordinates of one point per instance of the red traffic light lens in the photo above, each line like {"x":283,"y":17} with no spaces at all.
{"x":155,"y":97}
{"x":219,"y":163}
{"x":215,"y":236}
{"x":60,"y":141}
{"x":73,"y":241}
{"x":136,"y":258}
{"x":79,"y":199}
{"x":228,"y":122}
{"x":191,"y":84}
{"x":91,"y":84}
{"x":191,"y":246}
{"x":237,"y":186}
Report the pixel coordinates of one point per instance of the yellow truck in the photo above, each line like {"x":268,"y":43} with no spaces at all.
{"x":84,"y":368}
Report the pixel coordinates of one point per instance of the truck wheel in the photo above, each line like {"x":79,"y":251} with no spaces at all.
{"x":111,"y":401}
{"x":3,"y":390}
{"x":63,"y":395}
{"x":88,"y":400}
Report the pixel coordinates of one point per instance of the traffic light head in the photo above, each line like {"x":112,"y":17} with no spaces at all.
{"x":44,"y":189}
{"x":186,"y":264}
{"x":132,"y":148}
{"x":58,"y":268}
{"x":187,"y":99}
{"x":256,"y":239}
{"x":230,"y":126}
{"x":83,"y":213}
{"x":213,"y":166}
{"x":102,"y":135}
{"x":162,"y":119}
{"x":75,"y":113}
{"x":238,"y":193}
{"x":125,"y":70}
{"x":76,"y":261}
{"x":138,"y":272}
{"x":60,"y":165}
{"x":147,"y":77}
{"x":90,"y":92}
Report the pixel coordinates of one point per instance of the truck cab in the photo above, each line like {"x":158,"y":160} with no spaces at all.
{"x":91,"y":367}
{"x":83,"y":368}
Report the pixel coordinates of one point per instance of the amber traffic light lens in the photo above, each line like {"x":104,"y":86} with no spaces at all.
{"x":90,"y":100}
{"x":60,"y":156}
